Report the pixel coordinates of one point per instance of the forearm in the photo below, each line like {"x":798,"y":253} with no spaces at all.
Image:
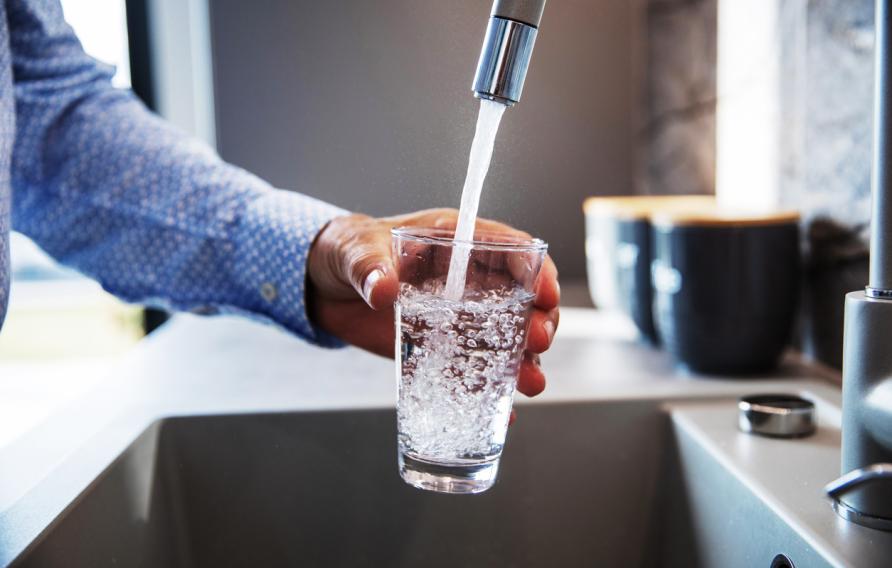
{"x":105,"y":186}
{"x":157,"y":217}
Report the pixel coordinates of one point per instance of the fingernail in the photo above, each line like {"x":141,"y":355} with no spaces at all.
{"x":549,"y":330}
{"x":369,"y":285}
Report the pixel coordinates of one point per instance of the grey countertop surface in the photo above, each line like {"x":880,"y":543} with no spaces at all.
{"x":228,"y":365}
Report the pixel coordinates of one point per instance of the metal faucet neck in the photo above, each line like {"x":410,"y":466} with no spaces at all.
{"x":880,"y":282}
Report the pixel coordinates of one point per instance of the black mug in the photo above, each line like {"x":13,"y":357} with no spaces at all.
{"x":726,"y":288}
{"x":618,"y":250}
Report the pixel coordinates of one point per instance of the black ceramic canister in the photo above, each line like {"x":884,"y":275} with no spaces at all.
{"x":618,"y":251}
{"x":726,"y":288}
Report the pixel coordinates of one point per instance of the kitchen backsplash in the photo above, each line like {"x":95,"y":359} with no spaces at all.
{"x":677,"y":144}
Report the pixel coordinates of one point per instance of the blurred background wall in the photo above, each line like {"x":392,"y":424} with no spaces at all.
{"x":368,"y":105}
{"x":817,"y":56}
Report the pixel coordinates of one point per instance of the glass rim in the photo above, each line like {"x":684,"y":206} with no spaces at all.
{"x":425,"y":235}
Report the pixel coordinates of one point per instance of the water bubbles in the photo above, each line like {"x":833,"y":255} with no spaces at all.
{"x":456,"y":386}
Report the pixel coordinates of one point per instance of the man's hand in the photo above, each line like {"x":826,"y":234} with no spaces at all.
{"x":352,"y":284}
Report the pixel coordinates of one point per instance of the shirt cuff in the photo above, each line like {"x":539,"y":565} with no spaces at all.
{"x":272,"y":244}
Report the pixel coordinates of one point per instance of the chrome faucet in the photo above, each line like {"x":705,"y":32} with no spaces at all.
{"x":507,"y":48}
{"x":864,"y":493}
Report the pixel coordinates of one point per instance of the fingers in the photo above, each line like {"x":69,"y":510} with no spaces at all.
{"x":490,"y":226}
{"x":381,"y":289}
{"x":548,"y":290}
{"x":442,"y":218}
{"x":448,"y":219}
{"x":543,"y":326}
{"x":531,"y":379}
{"x":445,"y":218}
{"x":368,"y":267}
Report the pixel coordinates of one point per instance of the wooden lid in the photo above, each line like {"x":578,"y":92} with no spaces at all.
{"x":645,"y":206}
{"x":723,"y":218}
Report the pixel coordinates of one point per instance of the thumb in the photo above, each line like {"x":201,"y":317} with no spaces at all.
{"x":369,"y":269}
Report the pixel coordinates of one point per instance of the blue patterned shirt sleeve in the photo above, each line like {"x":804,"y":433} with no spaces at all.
{"x":155,"y":216}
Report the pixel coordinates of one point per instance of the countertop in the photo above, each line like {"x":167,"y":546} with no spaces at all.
{"x":217,"y":365}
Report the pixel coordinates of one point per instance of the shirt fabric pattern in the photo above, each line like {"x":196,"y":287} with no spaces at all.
{"x":107,"y":187}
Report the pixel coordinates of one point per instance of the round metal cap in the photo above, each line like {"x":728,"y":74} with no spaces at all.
{"x":776,"y":415}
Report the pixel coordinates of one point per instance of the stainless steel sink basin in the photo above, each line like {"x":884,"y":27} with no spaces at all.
{"x":579,"y":485}
{"x":605,"y":483}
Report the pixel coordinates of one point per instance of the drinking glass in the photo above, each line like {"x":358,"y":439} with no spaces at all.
{"x":459,"y":357}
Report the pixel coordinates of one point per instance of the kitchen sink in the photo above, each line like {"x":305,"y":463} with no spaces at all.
{"x":603,"y":483}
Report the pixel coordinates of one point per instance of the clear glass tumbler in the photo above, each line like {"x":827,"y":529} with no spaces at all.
{"x":459,"y":357}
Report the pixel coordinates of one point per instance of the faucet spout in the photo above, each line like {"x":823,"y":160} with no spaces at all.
{"x":507,"y":49}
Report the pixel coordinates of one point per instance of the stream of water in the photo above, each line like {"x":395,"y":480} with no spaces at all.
{"x":478,"y":165}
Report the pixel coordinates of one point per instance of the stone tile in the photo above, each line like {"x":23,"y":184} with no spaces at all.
{"x":677,"y":145}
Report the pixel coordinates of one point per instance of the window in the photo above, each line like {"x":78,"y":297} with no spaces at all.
{"x":101,"y":26}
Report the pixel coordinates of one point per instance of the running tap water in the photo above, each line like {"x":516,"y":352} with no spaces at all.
{"x":478,"y":164}
{"x":498,"y":84}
